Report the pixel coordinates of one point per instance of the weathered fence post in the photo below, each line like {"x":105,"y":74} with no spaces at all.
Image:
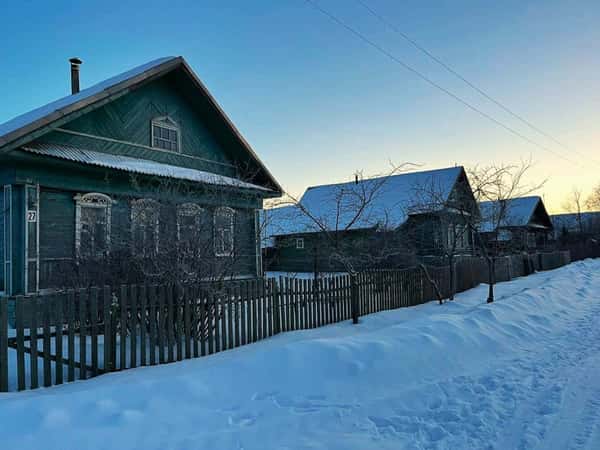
{"x":106,"y":315}
{"x":354,"y":298}
{"x":278,"y":312}
{"x":20,"y":326}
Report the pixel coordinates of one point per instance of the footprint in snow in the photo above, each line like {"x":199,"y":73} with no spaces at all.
{"x":242,"y":420}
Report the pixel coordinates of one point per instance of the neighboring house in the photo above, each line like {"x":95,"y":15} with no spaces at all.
{"x":87,"y":174}
{"x":422,"y":212}
{"x":516,"y":224}
{"x":575,"y":224}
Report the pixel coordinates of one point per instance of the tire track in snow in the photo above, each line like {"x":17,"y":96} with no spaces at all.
{"x":553,"y":376}
{"x":514,"y":405}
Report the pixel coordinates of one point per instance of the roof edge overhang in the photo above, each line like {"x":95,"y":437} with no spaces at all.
{"x":540,"y":204}
{"x":38,"y":127}
{"x":25,"y":134}
{"x":276,"y":187}
{"x":162,"y":170}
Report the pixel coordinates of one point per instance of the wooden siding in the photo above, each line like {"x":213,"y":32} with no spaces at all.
{"x":420,"y":235}
{"x":57,"y":235}
{"x":128,"y":119}
{"x":2,"y":213}
{"x":57,"y":224}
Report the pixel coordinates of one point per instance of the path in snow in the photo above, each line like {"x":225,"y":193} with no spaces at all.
{"x":522,"y":373}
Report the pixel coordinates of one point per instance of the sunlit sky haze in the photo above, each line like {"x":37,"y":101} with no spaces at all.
{"x":317,"y":103}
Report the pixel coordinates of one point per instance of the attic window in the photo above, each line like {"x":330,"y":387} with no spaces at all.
{"x":165,"y":134}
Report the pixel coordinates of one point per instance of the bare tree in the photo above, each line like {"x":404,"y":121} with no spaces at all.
{"x":593,"y":200}
{"x":575,"y":204}
{"x":498,"y":183}
{"x":338,"y":231}
{"x":448,"y":218}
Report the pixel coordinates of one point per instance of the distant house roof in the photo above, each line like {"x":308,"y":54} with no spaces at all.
{"x":514,"y":212}
{"x":134,"y":165}
{"x":570,"y":221}
{"x":26,"y":127}
{"x":393,"y":199}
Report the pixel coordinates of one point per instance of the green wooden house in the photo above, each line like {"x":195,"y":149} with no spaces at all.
{"x":378,"y":222}
{"x":130,"y":167}
{"x":516,"y":224}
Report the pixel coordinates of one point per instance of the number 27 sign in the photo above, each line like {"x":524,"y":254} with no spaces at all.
{"x":31,"y":216}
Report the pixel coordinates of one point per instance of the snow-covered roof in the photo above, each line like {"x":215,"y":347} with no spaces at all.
{"x":134,"y":165}
{"x":70,"y":100}
{"x":514,"y":212}
{"x":570,"y":221}
{"x":284,"y":220}
{"x":19,"y":131}
{"x":388,"y":202}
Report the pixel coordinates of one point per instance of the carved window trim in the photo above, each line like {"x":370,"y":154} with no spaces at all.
{"x":189,"y":210}
{"x":229,"y":213}
{"x":137,"y":207}
{"x":92,"y":200}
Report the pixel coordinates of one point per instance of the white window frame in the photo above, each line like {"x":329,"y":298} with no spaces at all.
{"x":299,"y":243}
{"x":231,"y":214}
{"x":461,"y":236}
{"x":450,"y":237}
{"x":91,"y":200}
{"x":189,"y":210}
{"x":150,"y":204}
{"x":170,"y":124}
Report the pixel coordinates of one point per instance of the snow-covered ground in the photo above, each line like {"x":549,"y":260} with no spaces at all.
{"x":523,"y":372}
{"x":303,"y":275}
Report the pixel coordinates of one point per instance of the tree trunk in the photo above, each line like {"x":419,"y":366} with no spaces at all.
{"x":452,"y":280}
{"x":491,"y":278}
{"x":354,"y":298}
{"x":436,"y":289}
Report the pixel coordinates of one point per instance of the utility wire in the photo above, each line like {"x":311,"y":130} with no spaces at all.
{"x":386,"y":53}
{"x":466,"y":81}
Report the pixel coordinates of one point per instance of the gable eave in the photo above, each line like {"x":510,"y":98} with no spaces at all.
{"x":545,"y":215}
{"x":48,"y":122}
{"x":475,"y":203}
{"x":275,"y":186}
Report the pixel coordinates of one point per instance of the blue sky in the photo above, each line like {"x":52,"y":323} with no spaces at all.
{"x":316,"y":103}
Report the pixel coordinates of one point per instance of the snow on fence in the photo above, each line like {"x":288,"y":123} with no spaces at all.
{"x":77,"y":334}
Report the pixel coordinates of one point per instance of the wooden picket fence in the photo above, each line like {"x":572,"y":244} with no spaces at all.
{"x":78,"y":334}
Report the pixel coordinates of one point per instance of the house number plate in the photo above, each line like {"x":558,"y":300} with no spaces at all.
{"x":31,"y":216}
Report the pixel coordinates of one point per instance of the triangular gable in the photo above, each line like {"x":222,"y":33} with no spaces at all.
{"x":462,"y":188}
{"x":515,"y":212}
{"x":27,"y":127}
{"x":540,"y":216}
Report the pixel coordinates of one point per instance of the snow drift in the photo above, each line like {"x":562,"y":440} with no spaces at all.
{"x":462,"y":375}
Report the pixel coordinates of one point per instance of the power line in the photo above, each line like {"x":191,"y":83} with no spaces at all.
{"x":380,"y":49}
{"x":466,"y":81}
